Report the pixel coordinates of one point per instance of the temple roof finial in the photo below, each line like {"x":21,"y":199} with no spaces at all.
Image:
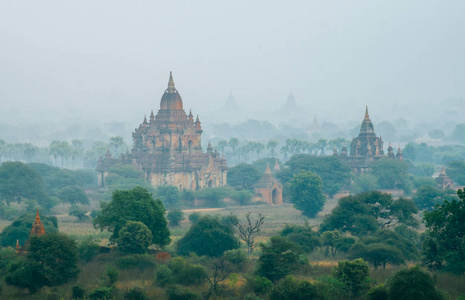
{"x":171,"y":87}
{"x":367,"y":116}
{"x":267,"y":170}
{"x":37,"y":216}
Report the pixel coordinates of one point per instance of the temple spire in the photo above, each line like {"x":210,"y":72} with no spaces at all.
{"x":367,"y":116}
{"x":171,"y":87}
{"x":267,"y":170}
{"x":37,"y":216}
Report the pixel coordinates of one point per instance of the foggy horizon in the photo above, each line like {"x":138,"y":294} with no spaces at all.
{"x":108,"y":62}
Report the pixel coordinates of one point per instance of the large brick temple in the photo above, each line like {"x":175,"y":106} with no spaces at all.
{"x":167,"y":148}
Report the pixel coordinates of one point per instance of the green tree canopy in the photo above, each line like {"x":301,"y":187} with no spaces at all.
{"x":52,"y":260}
{"x":367,"y":212}
{"x":214,"y":196}
{"x":412,"y":284}
{"x":169,"y":195}
{"x":58,"y":256}
{"x":455,"y":171}
{"x":386,"y":246}
{"x":175,"y":216}
{"x":334,"y":173}
{"x":391,"y":174}
{"x":302,"y":235}
{"x":18,"y":181}
{"x":20,"y":228}
{"x":336,"y":242}
{"x":364,"y":183}
{"x":354,"y":275}
{"x":73,"y":194}
{"x":444,"y":246}
{"x":208,"y":236}
{"x":428,"y":196}
{"x":279,"y":258}
{"x":134,"y":205}
{"x":243,"y":176}
{"x":306,"y":193}
{"x":134,"y":238}
{"x":294,"y":289}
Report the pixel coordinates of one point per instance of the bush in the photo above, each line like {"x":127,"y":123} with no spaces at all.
{"x":186,"y":273}
{"x":354,"y":274}
{"x":78,"y":292}
{"x":237,"y":258}
{"x":293,"y":289}
{"x":378,"y":293}
{"x":259,"y":285}
{"x":112,"y":275}
{"x":177,"y":292}
{"x":101,"y":293}
{"x":136,"y":293}
{"x":194,"y":217}
{"x":412,"y":284}
{"x":175,"y":216}
{"x":164,"y":275}
{"x":140,"y":261}
{"x":78,"y":212}
{"x":209,"y":236}
{"x":88,"y":249}
{"x":135,"y":237}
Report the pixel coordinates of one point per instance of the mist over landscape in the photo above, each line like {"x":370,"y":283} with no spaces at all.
{"x":88,"y":65}
{"x":276,"y":150}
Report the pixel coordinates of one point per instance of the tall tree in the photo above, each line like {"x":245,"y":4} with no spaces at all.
{"x":444,"y":246}
{"x":334,"y":173}
{"x":306,"y":193}
{"x":208,"y":236}
{"x":280,"y":258}
{"x":243,"y":176}
{"x":271,"y":146}
{"x":73,"y":194}
{"x":18,"y":181}
{"x":365,"y":213}
{"x":134,"y":205}
{"x":412,"y":284}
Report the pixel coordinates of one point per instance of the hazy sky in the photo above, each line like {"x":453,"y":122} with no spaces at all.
{"x":111,"y":59}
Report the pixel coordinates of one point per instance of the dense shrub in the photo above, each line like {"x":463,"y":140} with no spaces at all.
{"x":140,"y":261}
{"x":175,"y":216}
{"x":293,"y":289}
{"x":136,"y":293}
{"x":135,"y":237}
{"x":101,"y":293}
{"x":164,"y":275}
{"x":194,"y":217}
{"x":177,"y":292}
{"x":78,"y":292}
{"x":88,"y":249}
{"x":186,"y":273}
{"x":209,"y":236}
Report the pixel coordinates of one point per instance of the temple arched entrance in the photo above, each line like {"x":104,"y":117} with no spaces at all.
{"x":274,"y":196}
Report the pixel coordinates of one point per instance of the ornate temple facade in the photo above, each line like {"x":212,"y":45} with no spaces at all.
{"x":366,"y":148}
{"x":167,"y":148}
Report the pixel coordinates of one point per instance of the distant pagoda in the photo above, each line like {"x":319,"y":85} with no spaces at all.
{"x":366,"y":148}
